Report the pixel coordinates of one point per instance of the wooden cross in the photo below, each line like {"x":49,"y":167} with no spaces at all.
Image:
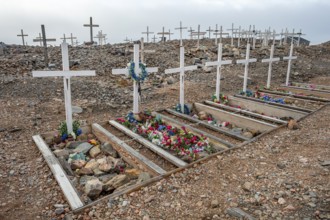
{"x":169,"y":34}
{"x":299,"y":36}
{"x":137,"y":71}
{"x":180,"y":28}
{"x":72,"y":37}
{"x":163,"y":34}
{"x":22,"y":35}
{"x":191,"y":31}
{"x":91,"y":25}
{"x":64,"y":38}
{"x":270,"y":61}
{"x":198,"y":33}
{"x":232,"y":33}
{"x":289,"y":58}
{"x":101,"y":37}
{"x":254,"y":33}
{"x":142,"y":50}
{"x":39,"y":38}
{"x":67,"y":74}
{"x":239,"y":32}
{"x":44,"y":40}
{"x":218,"y":64}
{"x":219,"y":34}
{"x":147,"y":33}
{"x":154,"y":39}
{"x":209,"y":30}
{"x":246,"y":61}
{"x":181,"y":70}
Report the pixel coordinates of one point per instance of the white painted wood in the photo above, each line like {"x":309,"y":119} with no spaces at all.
{"x":181,"y":70}
{"x":147,"y":33}
{"x":198,"y":33}
{"x":289,"y":58}
{"x":66,"y":74}
{"x":218,"y":64}
{"x":181,"y":28}
{"x":246,"y":63}
{"x":270,"y":61}
{"x":138,"y":72}
{"x":176,"y":161}
{"x":142,"y":159}
{"x":59,"y":174}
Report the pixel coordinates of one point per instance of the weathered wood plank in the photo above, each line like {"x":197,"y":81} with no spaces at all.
{"x":211,"y":127}
{"x":295,"y":95}
{"x":176,"y":161}
{"x":319,"y":87}
{"x":105,"y":136}
{"x":60,"y":176}
{"x":275,"y":104}
{"x":245,"y":112}
{"x":218,"y":143}
{"x":238,"y":120}
{"x":268,"y":109}
{"x":319,"y":93}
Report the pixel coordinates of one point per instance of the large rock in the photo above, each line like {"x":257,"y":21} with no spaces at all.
{"x":92,"y":164}
{"x":84,"y":179}
{"x":143,"y":177}
{"x":62,"y":153}
{"x":116,"y":182}
{"x":85,"y":171}
{"x":105,"y":167}
{"x":107,"y":177}
{"x":93,"y":188}
{"x":77,"y":164}
{"x":83,"y":148}
{"x":108,"y":150}
{"x":95,"y":151}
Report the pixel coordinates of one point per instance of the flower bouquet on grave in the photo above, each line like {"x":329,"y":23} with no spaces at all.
{"x":63,"y":130}
{"x":223,"y":99}
{"x":248,"y":93}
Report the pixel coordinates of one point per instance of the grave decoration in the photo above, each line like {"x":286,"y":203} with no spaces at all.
{"x":264,"y":97}
{"x":63,"y":131}
{"x":184,"y":143}
{"x":96,"y":168}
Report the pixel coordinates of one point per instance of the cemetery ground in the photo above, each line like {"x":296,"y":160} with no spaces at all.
{"x":284,"y":174}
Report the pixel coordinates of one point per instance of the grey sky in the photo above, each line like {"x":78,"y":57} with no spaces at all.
{"x":122,"y":18}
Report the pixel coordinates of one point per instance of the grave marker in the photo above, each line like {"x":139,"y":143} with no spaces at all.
{"x":246,"y":62}
{"x":44,"y":40}
{"x":154,"y":39}
{"x":100,"y":37}
{"x":289,"y":58}
{"x":38,"y":38}
{"x":64,"y":38}
{"x":72,"y":37}
{"x":147,"y":33}
{"x":22,"y":35}
{"x":181,"y":70}
{"x":180,"y":28}
{"x":219,"y":34}
{"x":142,"y":50}
{"x":137,"y":71}
{"x":169,"y":34}
{"x":91,"y":25}
{"x":270,"y":61}
{"x":163,"y":34}
{"x":210,"y":30}
{"x":232,"y":33}
{"x":198,"y":33}
{"x":218,"y":64}
{"x":67,"y":74}
{"x":191,"y":31}
{"x":299,"y":36}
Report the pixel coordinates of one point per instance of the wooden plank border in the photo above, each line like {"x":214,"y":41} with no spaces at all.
{"x":169,"y":157}
{"x":68,"y":190}
{"x":295,"y":95}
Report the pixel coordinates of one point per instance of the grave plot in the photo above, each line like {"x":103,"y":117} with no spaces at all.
{"x":305,"y":91}
{"x":260,"y":111}
{"x":284,"y":101}
{"x":310,"y":86}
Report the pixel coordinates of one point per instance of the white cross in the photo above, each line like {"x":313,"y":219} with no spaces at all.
{"x":67,"y":74}
{"x":289,"y":58}
{"x":64,"y":38}
{"x":72,"y":37}
{"x":218,"y":63}
{"x":270,"y":60}
{"x":210,"y":30}
{"x":198,"y":33}
{"x":191,"y":31}
{"x":180,"y":28}
{"x":181,"y":70}
{"x":246,"y":61}
{"x":232,"y":33}
{"x":142,"y":50}
{"x":219,"y":34}
{"x":137,"y":71}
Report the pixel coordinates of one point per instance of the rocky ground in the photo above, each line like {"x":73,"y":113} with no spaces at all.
{"x":283,"y":175}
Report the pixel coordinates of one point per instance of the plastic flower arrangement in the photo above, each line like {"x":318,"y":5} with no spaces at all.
{"x":63,"y":129}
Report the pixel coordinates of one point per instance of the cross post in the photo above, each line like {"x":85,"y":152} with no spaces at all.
{"x":137,"y":70}
{"x":91,"y":25}
{"x":66,"y":74}
{"x":181,"y":70}
{"x":191,"y":31}
{"x":22,"y":35}
{"x":44,"y":41}
{"x":209,"y":30}
{"x":246,"y":62}
{"x":180,"y":28}
{"x":147,"y":33}
{"x":289,"y":58}
{"x":270,"y":61}
{"x":218,"y":64}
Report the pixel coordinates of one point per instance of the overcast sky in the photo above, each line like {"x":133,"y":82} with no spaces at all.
{"x":128,"y":18}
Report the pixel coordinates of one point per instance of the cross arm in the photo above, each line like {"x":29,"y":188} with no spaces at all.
{"x":120,"y":71}
{"x":177,"y":70}
{"x":63,"y":73}
{"x":270,"y":60}
{"x":247,"y":61}
{"x":215,"y":63}
{"x":290,"y":58}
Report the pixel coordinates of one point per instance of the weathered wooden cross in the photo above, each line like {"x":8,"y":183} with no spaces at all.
{"x":22,"y":35}
{"x":169,"y":34}
{"x":232,"y":33}
{"x":246,"y":61}
{"x":218,"y":64}
{"x":181,"y":70}
{"x":137,"y":71}
{"x":154,"y":39}
{"x":219,"y":34}
{"x":270,"y":61}
{"x":180,"y":28}
{"x":142,"y":50}
{"x":163,"y":34}
{"x":191,"y":31}
{"x":299,"y":36}
{"x":100,"y":37}
{"x":198,"y":33}
{"x":210,"y":30}
{"x":64,"y":38}
{"x":91,"y":25}
{"x":72,"y":37}
{"x":38,"y":38}
{"x":147,"y":33}
{"x":44,"y":40}
{"x":289,"y":58}
{"x":67,"y":74}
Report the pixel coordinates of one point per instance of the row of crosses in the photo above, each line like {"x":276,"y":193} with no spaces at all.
{"x":67,"y":74}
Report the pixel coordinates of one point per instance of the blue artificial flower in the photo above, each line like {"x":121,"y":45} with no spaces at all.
{"x":64,"y":137}
{"x":79,"y":132}
{"x":161,"y":127}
